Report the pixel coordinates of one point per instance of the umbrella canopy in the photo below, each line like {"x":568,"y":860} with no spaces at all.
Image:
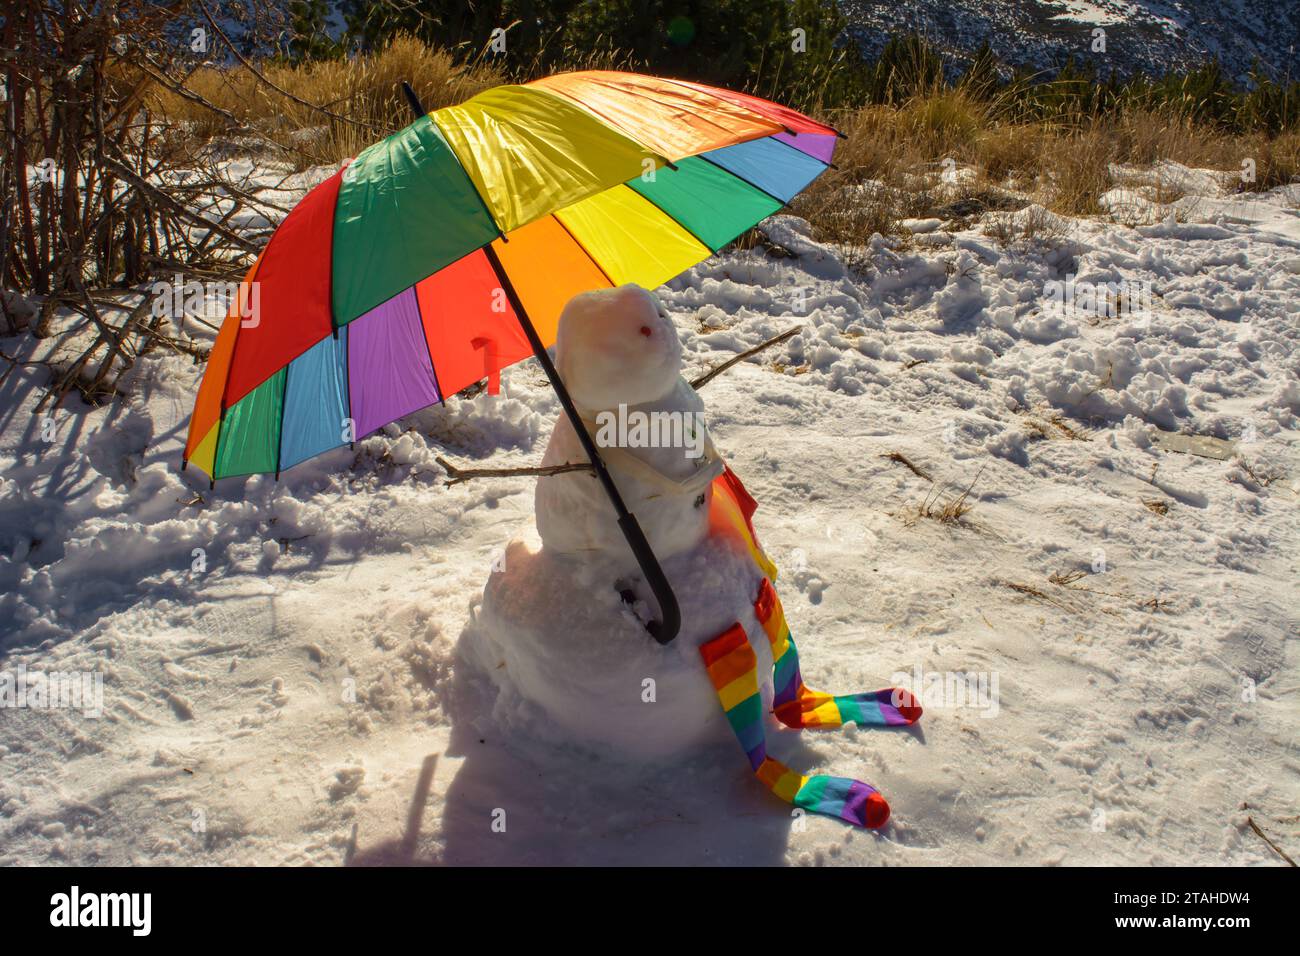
{"x":446,"y":252}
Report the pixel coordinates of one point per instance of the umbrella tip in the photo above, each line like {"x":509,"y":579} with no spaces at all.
{"x":412,"y":99}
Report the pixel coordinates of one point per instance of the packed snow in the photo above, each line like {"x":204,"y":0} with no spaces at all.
{"x":307,"y":672}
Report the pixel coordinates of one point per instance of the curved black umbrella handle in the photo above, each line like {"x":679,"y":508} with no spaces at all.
{"x":665,"y":630}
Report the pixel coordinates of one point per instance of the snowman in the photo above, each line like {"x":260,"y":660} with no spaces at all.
{"x":562,"y":629}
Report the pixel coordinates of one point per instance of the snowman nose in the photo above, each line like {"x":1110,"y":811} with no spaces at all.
{"x":645,"y":330}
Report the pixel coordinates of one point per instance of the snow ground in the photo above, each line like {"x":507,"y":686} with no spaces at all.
{"x":299,"y":698}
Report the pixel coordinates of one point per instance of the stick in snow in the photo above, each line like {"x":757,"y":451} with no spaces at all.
{"x":1276,"y":849}
{"x":456,"y":475}
{"x":713,"y":373}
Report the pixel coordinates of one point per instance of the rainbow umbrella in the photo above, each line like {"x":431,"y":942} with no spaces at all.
{"x":444,"y":253}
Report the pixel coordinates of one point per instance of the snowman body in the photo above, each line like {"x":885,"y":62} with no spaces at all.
{"x":666,"y":487}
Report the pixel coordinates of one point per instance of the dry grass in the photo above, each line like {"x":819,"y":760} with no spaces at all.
{"x":1257,"y":473}
{"x":1070,"y":432}
{"x":1077,"y":171}
{"x":1154,"y":604}
{"x":1011,"y":152}
{"x":1079,"y":598}
{"x":941,"y":505}
{"x":1145,"y":137}
{"x":1036,"y":228}
{"x":1053,"y":426}
{"x":899,"y":458}
{"x":891,"y":164}
{"x":1277,"y":160}
{"x":364,"y":89}
{"x":1036,"y":592}
{"x":1066,"y":578}
{"x":943,"y":124}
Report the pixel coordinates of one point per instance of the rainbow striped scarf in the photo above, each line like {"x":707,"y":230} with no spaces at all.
{"x":733,"y":670}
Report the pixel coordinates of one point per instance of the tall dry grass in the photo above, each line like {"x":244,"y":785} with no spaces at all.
{"x":366,"y":89}
{"x":890,"y":166}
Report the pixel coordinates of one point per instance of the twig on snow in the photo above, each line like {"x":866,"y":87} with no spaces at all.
{"x":713,"y":373}
{"x":1276,"y":849}
{"x":456,"y":475}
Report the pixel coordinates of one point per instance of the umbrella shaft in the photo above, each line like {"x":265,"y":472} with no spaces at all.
{"x":662,"y":631}
{"x":566,"y":402}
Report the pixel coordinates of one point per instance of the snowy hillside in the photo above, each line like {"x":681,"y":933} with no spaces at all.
{"x":283,"y":681}
{"x":1140,"y":36}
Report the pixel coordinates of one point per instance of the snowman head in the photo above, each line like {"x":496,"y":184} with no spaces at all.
{"x":617,"y":346}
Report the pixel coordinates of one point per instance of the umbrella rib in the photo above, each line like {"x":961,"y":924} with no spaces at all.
{"x":578,"y":242}
{"x":279,"y":437}
{"x":539,"y":349}
{"x":603,"y":121}
{"x":470,"y":179}
{"x":433,"y":369}
{"x":785,"y":127}
{"x":783,"y":202}
{"x":347,"y":387}
{"x":802,"y":153}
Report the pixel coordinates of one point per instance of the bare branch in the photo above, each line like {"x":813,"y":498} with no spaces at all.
{"x":283,"y":92}
{"x":713,"y":373}
{"x":456,"y":475}
{"x":178,"y":208}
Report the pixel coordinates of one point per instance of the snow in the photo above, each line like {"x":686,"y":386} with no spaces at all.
{"x":1141,"y":37}
{"x":573,"y":667}
{"x":1081,"y":12}
{"x":297,"y":672}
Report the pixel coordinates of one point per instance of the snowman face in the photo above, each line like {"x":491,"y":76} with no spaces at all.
{"x":617,"y":346}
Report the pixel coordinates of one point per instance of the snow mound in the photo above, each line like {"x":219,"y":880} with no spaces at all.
{"x":590,"y":665}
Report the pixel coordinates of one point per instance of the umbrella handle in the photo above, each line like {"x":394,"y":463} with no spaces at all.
{"x":662,"y":631}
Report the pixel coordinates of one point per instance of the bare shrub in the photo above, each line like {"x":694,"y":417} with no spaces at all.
{"x":1032,"y":228}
